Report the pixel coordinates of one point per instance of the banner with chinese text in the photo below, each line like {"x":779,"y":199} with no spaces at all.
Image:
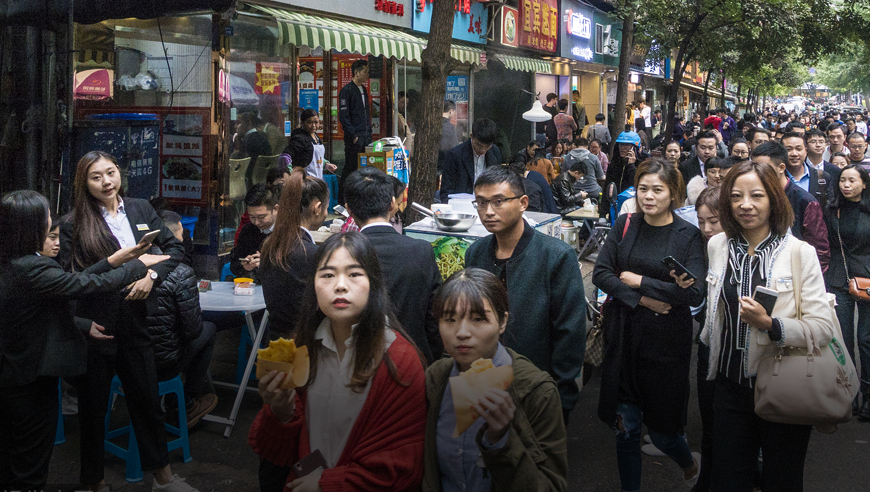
{"x":539,"y":24}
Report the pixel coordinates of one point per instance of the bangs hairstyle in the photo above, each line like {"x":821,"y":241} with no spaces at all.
{"x":670,"y":176}
{"x":24,"y":222}
{"x":781,"y":214}
{"x":92,"y":240}
{"x":296,"y":196}
{"x":368,"y":336}
{"x":468,"y":290}
{"x":840,"y":199}
{"x":709,"y":198}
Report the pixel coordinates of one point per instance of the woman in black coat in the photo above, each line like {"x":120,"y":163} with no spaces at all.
{"x":848,"y":220}
{"x":102,"y":222}
{"x":648,"y":323}
{"x":39,"y":338}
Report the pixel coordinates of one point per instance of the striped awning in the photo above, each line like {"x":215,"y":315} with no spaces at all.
{"x":524,"y":64}
{"x":465,"y":54}
{"x":317,"y":32}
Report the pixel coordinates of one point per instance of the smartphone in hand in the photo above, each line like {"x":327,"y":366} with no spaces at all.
{"x":766,"y":297}
{"x":310,"y":464}
{"x":149,"y":238}
{"x":672,"y":264}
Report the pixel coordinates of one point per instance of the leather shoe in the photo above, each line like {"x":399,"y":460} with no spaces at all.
{"x":864,"y":411}
{"x":856,"y":405}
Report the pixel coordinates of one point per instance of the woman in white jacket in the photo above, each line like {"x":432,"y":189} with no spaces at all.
{"x":755,"y":250}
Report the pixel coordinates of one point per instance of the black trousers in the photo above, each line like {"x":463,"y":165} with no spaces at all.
{"x":273,"y":477}
{"x":137,"y":371}
{"x":738,"y":434}
{"x":351,"y":163}
{"x":706,"y":392}
{"x":29,"y":421}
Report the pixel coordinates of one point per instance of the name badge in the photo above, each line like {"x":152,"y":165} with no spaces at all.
{"x":142,"y":227}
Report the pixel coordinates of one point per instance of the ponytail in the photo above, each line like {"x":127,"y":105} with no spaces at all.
{"x":287,"y":233}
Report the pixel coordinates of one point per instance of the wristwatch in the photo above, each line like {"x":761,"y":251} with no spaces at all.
{"x":153,"y":275}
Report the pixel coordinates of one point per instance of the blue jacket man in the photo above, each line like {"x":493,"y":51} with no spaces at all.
{"x":356,"y":122}
{"x":547,"y":320}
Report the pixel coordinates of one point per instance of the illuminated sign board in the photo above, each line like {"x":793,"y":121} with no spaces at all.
{"x":579,"y":25}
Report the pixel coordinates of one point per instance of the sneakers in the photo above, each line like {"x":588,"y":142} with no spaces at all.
{"x":864,"y":411}
{"x":200,"y":408}
{"x":69,"y":404}
{"x":177,"y":484}
{"x":651,"y":450}
{"x":691,"y":482}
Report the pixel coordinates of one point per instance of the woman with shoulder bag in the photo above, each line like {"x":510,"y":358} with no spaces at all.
{"x":848,"y":219}
{"x":756,"y":251}
{"x":648,"y":323}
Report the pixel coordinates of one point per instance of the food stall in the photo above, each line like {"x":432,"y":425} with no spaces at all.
{"x":450,"y":246}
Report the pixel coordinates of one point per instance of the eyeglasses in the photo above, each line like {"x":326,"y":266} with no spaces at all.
{"x":496,"y":204}
{"x":741,"y":153}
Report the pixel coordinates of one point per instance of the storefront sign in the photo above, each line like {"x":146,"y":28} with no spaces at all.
{"x":509,"y":35}
{"x":540,"y":24}
{"x":469,"y":20}
{"x":309,"y":99}
{"x":269,"y":78}
{"x":182,"y":150}
{"x":578,"y":24}
{"x":582,"y":53}
{"x":392,"y":13}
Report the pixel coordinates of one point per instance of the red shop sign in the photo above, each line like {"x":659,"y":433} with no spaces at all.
{"x":539,"y":24}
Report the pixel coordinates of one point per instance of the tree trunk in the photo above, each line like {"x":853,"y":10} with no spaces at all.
{"x":617,"y":124}
{"x":705,"y":97}
{"x":437,"y":65}
{"x":683,"y":57}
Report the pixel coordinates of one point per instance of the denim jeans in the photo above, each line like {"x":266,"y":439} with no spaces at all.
{"x":628,"y":457}
{"x":846,"y":315}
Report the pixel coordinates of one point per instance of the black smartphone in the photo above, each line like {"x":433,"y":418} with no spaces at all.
{"x":766,"y":297}
{"x":672,"y":264}
{"x":309,"y":464}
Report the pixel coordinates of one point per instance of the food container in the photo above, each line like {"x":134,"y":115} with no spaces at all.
{"x":451,"y":222}
{"x":244,"y":286}
{"x":569,"y":234}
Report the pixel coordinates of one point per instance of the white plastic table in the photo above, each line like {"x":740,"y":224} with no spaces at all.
{"x":221,"y":299}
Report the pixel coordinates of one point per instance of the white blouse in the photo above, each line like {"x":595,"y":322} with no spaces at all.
{"x":332,"y":407}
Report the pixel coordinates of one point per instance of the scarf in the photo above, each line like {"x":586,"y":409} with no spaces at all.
{"x":743,"y":268}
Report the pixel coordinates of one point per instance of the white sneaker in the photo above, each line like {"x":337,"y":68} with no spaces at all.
{"x":177,"y":484}
{"x":690,"y":482}
{"x":651,"y":450}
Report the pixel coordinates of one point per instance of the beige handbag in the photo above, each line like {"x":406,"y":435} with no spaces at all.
{"x":809,"y":386}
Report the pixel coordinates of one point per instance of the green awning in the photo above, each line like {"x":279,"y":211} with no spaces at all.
{"x":524,"y":64}
{"x":317,"y":32}
{"x":466,"y":54}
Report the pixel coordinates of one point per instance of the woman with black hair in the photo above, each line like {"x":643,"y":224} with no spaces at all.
{"x":519,"y":442}
{"x":364,"y":405}
{"x":39,"y":338}
{"x":103,"y":222}
{"x":287,"y":254}
{"x":848,"y":219}
{"x":310,"y":124}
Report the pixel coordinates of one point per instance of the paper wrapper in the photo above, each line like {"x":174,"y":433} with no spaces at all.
{"x":468,"y":388}
{"x":297,"y":371}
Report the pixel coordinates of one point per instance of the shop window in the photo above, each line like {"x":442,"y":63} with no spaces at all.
{"x":599,"y":39}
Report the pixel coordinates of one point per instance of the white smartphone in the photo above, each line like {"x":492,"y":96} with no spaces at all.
{"x":149,"y":237}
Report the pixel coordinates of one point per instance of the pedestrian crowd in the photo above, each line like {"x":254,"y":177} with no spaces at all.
{"x":756,"y":230}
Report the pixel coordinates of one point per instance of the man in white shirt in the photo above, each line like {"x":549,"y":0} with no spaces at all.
{"x":860,"y":124}
{"x":836,"y":141}
{"x":645,"y":113}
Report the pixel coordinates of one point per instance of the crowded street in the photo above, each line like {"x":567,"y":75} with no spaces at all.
{"x":522,"y":245}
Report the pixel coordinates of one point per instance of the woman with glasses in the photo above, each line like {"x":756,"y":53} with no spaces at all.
{"x":739,"y":147}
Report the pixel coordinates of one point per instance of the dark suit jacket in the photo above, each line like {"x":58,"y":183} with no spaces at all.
{"x":125,"y":320}
{"x":38,"y":334}
{"x":284,"y":290}
{"x":412,"y":277}
{"x":690,"y":168}
{"x":458,"y":169}
{"x":353,"y":114}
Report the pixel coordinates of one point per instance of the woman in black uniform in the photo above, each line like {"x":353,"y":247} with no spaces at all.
{"x":648,"y":323}
{"x":101,"y":223}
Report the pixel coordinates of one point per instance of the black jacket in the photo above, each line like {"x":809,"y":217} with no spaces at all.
{"x":175,"y":318}
{"x":250,"y":241}
{"x":563,"y":192}
{"x":458,"y":169}
{"x":38,"y":334}
{"x":412,"y":277}
{"x":690,"y":168}
{"x":283,"y":290}
{"x":621,"y":174}
{"x":857,"y":254}
{"x":548,"y":205}
{"x":354,"y":114}
{"x":125,"y":320}
{"x":535,"y":194}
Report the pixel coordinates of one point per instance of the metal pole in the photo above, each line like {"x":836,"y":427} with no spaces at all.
{"x":31,"y":122}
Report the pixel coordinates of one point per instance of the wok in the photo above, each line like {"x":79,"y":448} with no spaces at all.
{"x":448,"y":222}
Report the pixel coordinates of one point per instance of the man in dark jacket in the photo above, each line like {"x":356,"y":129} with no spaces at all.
{"x":183,"y":343}
{"x":705,"y":148}
{"x":466,"y":161}
{"x":547,"y":322}
{"x":251,"y":142}
{"x":356,"y":122}
{"x":449,"y":139}
{"x":568,"y":199}
{"x":817,"y":184}
{"x":410,"y":272}
{"x":527,"y":154}
{"x":262,"y":205}
{"x":809,"y":222}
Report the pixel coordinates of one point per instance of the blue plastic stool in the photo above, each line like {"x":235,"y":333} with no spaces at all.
{"x":131,"y":454}
{"x":59,"y":435}
{"x":225,"y":272}
{"x":189,"y":222}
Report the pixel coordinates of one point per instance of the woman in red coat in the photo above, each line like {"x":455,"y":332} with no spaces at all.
{"x":364,"y":405}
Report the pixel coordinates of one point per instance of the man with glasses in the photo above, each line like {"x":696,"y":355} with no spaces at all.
{"x":816,"y":143}
{"x":547,"y":322}
{"x":465,"y":162}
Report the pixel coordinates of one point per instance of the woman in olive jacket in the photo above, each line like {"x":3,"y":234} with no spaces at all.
{"x":518,"y":443}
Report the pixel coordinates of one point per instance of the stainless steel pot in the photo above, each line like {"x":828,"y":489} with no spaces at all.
{"x":448,"y":222}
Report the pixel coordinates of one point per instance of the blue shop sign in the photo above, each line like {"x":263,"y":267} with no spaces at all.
{"x":578,"y":34}
{"x":469,"y":20}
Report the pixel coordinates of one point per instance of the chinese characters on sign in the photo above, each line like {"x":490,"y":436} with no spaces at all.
{"x":390,"y":7}
{"x":578,"y":24}
{"x":584,"y":53}
{"x":540,"y":24}
{"x":182,"y":151}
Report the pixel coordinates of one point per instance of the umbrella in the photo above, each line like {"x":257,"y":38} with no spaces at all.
{"x":94,"y":84}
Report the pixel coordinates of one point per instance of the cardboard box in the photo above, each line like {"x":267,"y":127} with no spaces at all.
{"x":380,"y":160}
